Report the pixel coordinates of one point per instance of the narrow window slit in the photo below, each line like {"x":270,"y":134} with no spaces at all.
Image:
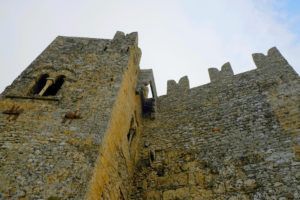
{"x":152,"y":155}
{"x":131,"y":132}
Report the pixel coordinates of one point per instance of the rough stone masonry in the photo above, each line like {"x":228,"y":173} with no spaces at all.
{"x":83,"y":121}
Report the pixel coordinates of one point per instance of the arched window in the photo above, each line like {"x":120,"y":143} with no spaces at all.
{"x":40,"y":84}
{"x":54,"y":88}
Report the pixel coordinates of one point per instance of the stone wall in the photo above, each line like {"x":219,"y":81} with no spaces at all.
{"x":101,"y":137}
{"x":44,"y":152}
{"x":113,"y":172}
{"x":234,"y":138}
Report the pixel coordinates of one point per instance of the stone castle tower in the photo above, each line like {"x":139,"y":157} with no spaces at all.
{"x":79,"y":123}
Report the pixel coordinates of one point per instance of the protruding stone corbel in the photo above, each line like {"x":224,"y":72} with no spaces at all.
{"x":146,"y":79}
{"x":13,"y":113}
{"x":71,"y":115}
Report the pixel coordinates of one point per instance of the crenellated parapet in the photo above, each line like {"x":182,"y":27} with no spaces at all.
{"x":125,"y":44}
{"x":183,"y":85}
{"x":215,"y":74}
{"x":272,"y":59}
{"x":130,"y":39}
{"x":271,"y":67}
{"x":122,"y":42}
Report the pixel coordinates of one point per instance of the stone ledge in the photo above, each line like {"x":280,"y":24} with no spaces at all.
{"x":33,"y":98}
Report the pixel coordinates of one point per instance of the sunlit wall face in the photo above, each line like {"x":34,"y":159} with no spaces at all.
{"x":177,"y":37}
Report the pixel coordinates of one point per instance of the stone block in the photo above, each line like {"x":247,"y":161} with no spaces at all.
{"x":180,"y":193}
{"x":153,"y":195}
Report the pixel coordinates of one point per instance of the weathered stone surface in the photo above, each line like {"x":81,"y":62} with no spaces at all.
{"x":235,"y":138}
{"x":215,"y":74}
{"x":78,"y":124}
{"x":183,"y":86}
{"x":74,"y":144}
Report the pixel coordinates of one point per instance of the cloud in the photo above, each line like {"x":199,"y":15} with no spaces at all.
{"x":177,"y":37}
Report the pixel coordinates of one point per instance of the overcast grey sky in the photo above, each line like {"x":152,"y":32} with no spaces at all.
{"x":177,"y":38}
